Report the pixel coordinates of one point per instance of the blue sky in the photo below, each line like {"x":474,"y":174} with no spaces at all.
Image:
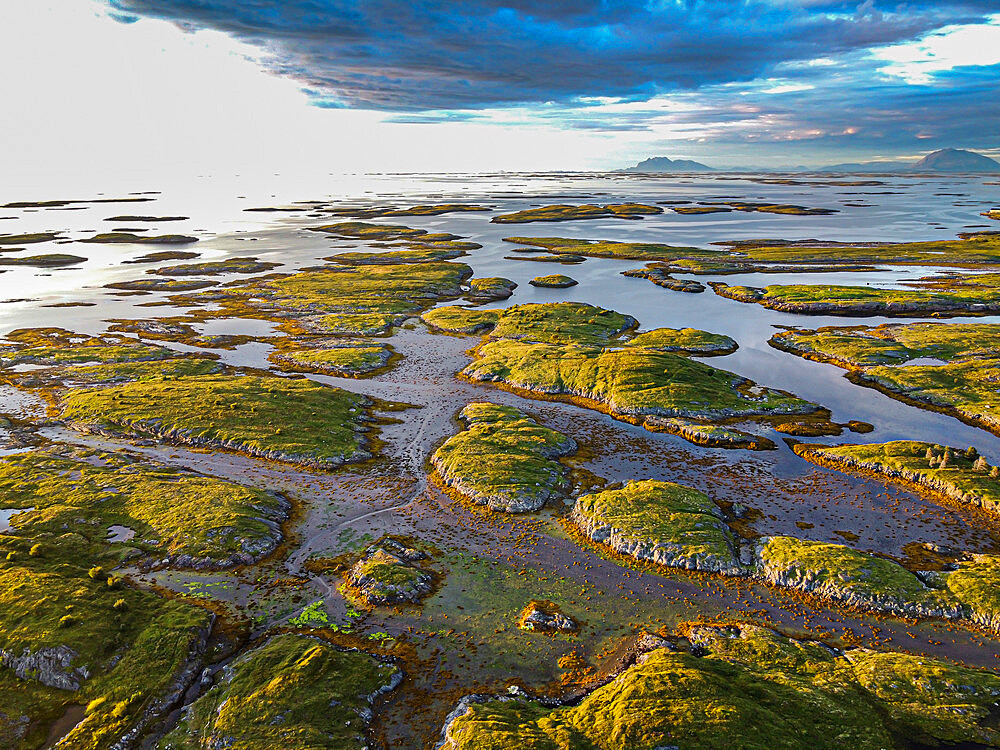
{"x":560,"y":84}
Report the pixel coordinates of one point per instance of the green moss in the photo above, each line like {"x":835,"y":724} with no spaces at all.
{"x":388,"y":258}
{"x":685,"y":341}
{"x":49,"y":260}
{"x":335,"y":357}
{"x":608,"y":249}
{"x":374,"y":212}
{"x":114,"y":238}
{"x":160,"y":256}
{"x":835,"y":571}
{"x":750,"y":688}
{"x":504,"y":459}
{"x":490,"y":289}
{"x":172,"y":512}
{"x":293,"y":692}
{"x":928,"y":700}
{"x":362,"y":231}
{"x":29,"y":238}
{"x":152,"y":219}
{"x":892,"y":344}
{"x":455,"y":319}
{"x":292,"y":420}
{"x":160,"y":285}
{"x":969,"y":249}
{"x":572,"y":213}
{"x":554,"y":281}
{"x":976,"y":583}
{"x":963,"y":383}
{"x":964,"y":476}
{"x":632,"y":381}
{"x":561,"y":322}
{"x":971,"y":294}
{"x":124,"y":646}
{"x":751,"y":207}
{"x":216,"y":267}
{"x":360,"y":300}
{"x":663,"y":522}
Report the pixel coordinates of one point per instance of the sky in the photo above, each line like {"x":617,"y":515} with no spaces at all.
{"x":154,"y":86}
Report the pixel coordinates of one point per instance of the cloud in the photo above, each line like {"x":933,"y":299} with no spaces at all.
{"x":419,"y":55}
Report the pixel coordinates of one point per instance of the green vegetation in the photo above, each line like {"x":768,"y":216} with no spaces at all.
{"x":347,"y":300}
{"x":554,"y":281}
{"x":968,"y":250}
{"x":425,"y":254}
{"x":691,"y":341}
{"x":286,"y":419}
{"x":388,"y":573}
{"x":454,"y":319}
{"x":961,"y":475}
{"x":960,"y":379}
{"x":344,"y":357}
{"x":375,"y":212}
{"x":359,"y":230}
{"x":750,"y":207}
{"x":30,"y":238}
{"x":163,"y":255}
{"x":216,"y":267}
{"x":293,"y":692}
{"x":191,"y":519}
{"x":57,"y":346}
{"x":834,"y":571}
{"x":976,"y":583}
{"x":561,"y":323}
{"x":892,"y":344}
{"x":113,"y":238}
{"x":504,"y":459}
{"x":120,"y":649}
{"x":160,"y":285}
{"x":663,"y":522}
{"x":572,"y":213}
{"x":79,"y":359}
{"x":608,"y":249}
{"x":973,"y":294}
{"x":632,"y":382}
{"x":50,"y":260}
{"x":711,"y":435}
{"x":753,"y":689}
{"x":490,"y":289}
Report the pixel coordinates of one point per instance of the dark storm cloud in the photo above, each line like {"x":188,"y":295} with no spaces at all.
{"x":416,"y":56}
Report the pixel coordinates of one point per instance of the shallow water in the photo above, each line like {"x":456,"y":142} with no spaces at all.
{"x":789,"y":495}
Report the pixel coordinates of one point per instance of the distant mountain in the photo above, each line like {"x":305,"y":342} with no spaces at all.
{"x":945,"y":160}
{"x":956,"y":160}
{"x":665,"y":164}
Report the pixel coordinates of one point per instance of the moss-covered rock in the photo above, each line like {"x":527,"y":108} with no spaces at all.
{"x":554,"y":281}
{"x":390,"y":573}
{"x":504,"y":459}
{"x":216,"y":267}
{"x":573,"y":213}
{"x":177,"y":517}
{"x":330,"y":356}
{"x":128,"y":238}
{"x":293,"y":692}
{"x":631,"y":382}
{"x":663,"y":522}
{"x":285,"y":419}
{"x":748,"y":688}
{"x":835,"y":571}
{"x":960,"y":475}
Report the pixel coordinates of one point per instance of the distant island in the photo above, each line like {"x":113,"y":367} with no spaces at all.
{"x":944,"y":160}
{"x":952,"y":160}
{"x":665,"y":164}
